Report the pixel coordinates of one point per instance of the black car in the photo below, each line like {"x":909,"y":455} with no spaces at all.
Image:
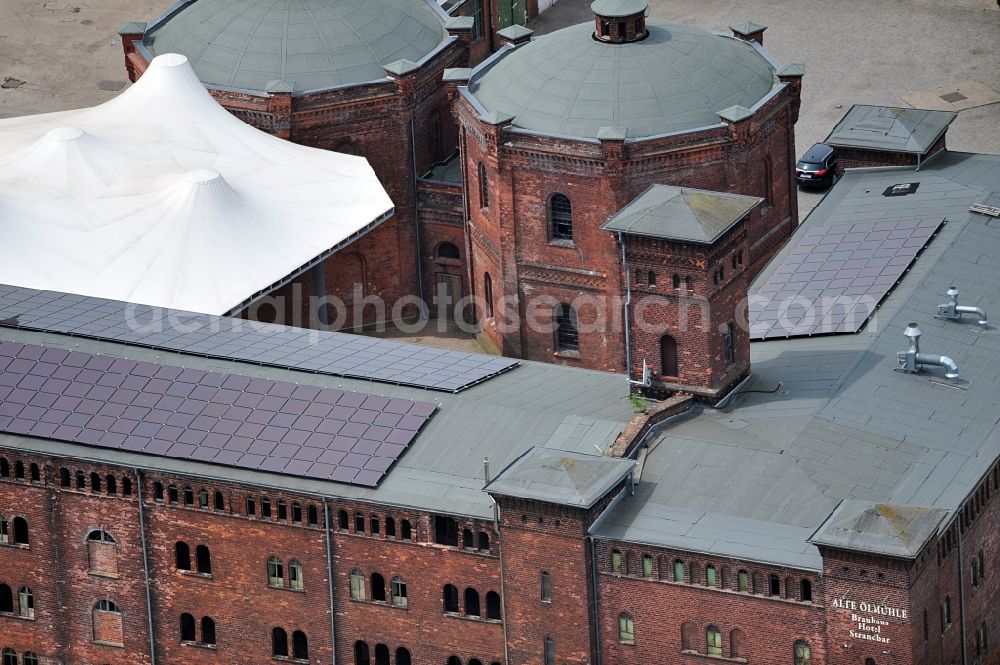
{"x":816,"y":168}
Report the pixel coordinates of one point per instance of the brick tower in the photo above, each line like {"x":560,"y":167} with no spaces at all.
{"x":684,"y":260}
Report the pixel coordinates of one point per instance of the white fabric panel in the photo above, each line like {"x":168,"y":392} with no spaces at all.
{"x":161,"y":197}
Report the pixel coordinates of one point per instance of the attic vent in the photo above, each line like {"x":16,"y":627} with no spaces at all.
{"x":902,"y":189}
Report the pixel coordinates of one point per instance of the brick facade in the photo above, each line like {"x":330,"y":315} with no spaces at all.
{"x":501,"y":611}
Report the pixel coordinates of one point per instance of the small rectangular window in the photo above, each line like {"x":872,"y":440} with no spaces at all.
{"x":265,"y":507}
{"x":283,"y":511}
{"x":251,"y":506}
{"x":743,"y":581}
{"x":546,"y":588}
{"x":647,"y":566}
{"x":616,"y":562}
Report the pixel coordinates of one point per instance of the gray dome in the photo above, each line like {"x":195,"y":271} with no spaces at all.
{"x":308,"y":44}
{"x":676,"y":79}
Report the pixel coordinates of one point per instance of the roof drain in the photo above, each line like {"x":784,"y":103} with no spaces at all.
{"x":952,"y":311}
{"x":911,"y":360}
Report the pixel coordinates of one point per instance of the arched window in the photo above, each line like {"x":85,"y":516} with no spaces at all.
{"x":276,"y":573}
{"x":204,"y":560}
{"x":546,"y":581}
{"x":203,"y":499}
{"x":182,"y":556}
{"x":403,"y":656}
{"x":484,"y":541}
{"x":188,"y":496}
{"x":626,"y":628}
{"x":398,"y":592}
{"x":187,"y":628}
{"x":342,"y":520}
{"x":475,"y":661}
{"x":106,"y":606}
{"x":488,"y":294}
{"x":711,"y":578}
{"x":651,"y":278}
{"x":484,"y":187}
{"x":806,"y":590}
{"x":567,"y":331}
{"x":64,"y":479}
{"x":158,"y":492}
{"x":220,"y":503}
{"x":647,"y":566}
{"x":296,"y":513}
{"x":450,"y":598}
{"x":313,"y":515}
{"x":81,"y":480}
{"x":29,"y":658}
{"x":6,"y":599}
{"x":617,"y":566}
{"x":448,"y":250}
{"x":679,"y":573}
{"x":95,"y":482}
{"x":468,"y":540}
{"x":677,"y":281}
{"x":282,"y":511}
{"x":279,"y":642}
{"x":126,"y":486}
{"x":36,"y":476}
{"x":100,"y":535}
{"x":381,"y":654}
{"x":295,"y":579}
{"x":265,"y":507}
{"x":803,"y":654}
{"x":357,"y":585}
{"x":172,"y":494}
{"x":9,"y":656}
{"x":454,"y":660}
{"x":743,"y":581}
{"x":560,"y":217}
{"x":20,"y":530}
{"x":713,"y":641}
{"x":361,"y":653}
{"x":773,"y":585}
{"x":869,"y":661}
{"x":251,"y":506}
{"x":300,"y":645}
{"x":110,"y":485}
{"x":471,"y":602}
{"x":493,"y":610}
{"x":374,"y":525}
{"x":390,"y":528}
{"x":737,"y":644}
{"x":208,"y":630}
{"x":26,"y":603}
{"x":359,"y":523}
{"x":404,"y":530}
{"x":378,"y":587}
{"x":668,"y":356}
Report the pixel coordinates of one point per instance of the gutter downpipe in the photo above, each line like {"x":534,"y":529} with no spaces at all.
{"x":416,"y":211}
{"x":145,"y":565}
{"x":329,"y":579}
{"x":919,"y":160}
{"x":597,"y":611}
{"x":961,"y":593}
{"x":628,"y":304}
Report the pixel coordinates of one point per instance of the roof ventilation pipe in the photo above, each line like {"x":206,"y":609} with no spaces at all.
{"x":952,"y":311}
{"x":911,"y":359}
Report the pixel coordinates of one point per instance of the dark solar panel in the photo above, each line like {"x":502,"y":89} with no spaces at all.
{"x":339,"y":354}
{"x":835,"y":277}
{"x":220,"y":418}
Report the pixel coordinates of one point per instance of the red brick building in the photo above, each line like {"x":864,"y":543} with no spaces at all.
{"x":560,"y":133}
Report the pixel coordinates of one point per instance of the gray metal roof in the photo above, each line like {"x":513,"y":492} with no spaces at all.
{"x":309,"y":44}
{"x":880,"y":527}
{"x":890,"y":128}
{"x":536,"y":405}
{"x":562,"y":477}
{"x":618,"y":8}
{"x":678,"y":213}
{"x":676,"y":79}
{"x":759,"y":478}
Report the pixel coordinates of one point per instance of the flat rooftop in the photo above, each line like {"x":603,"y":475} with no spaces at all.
{"x":757,"y":479}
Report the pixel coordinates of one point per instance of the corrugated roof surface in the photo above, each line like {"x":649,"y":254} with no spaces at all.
{"x":890,"y":128}
{"x":845,"y":425}
{"x":308,"y":44}
{"x":677,"y":213}
{"x":676,"y":79}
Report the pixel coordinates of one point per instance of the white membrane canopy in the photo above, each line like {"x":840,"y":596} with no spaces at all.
{"x":161,"y":197}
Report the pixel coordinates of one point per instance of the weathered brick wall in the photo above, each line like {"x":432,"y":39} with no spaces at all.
{"x":661,"y":607}
{"x":441,"y":213}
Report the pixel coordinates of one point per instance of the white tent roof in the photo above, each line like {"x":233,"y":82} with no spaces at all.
{"x":161,"y":197}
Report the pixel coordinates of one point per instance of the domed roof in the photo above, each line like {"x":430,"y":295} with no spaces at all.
{"x":677,"y":78}
{"x":308,"y":44}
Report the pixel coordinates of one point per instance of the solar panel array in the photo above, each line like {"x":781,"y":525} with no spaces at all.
{"x":835,"y":277}
{"x":339,"y":354}
{"x":225,"y":419}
